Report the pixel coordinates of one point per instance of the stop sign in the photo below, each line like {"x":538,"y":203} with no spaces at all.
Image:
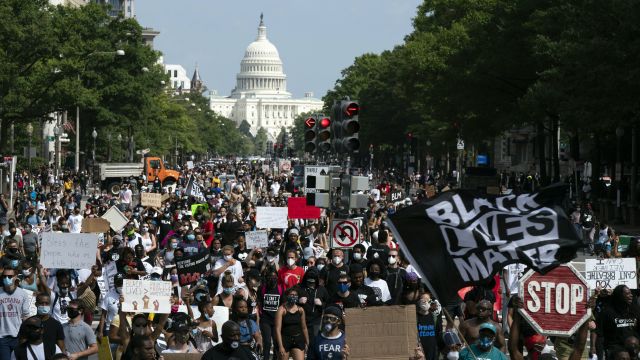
{"x":555,"y":304}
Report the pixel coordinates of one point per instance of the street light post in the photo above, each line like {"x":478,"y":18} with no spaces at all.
{"x":94,"y":135}
{"x":29,"y":133}
{"x":120,"y":142}
{"x":109,"y":147}
{"x":56,"y":133}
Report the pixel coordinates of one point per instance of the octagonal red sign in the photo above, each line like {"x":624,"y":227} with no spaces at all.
{"x":555,"y":304}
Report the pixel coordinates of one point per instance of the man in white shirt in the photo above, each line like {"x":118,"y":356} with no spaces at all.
{"x":227,"y":262}
{"x":75,"y":221}
{"x":275,"y":188}
{"x":125,"y":196}
{"x":14,"y":306}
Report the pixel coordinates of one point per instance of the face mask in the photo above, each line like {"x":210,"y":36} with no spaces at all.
{"x":191,"y":237}
{"x":292,"y":299}
{"x":229,"y":291}
{"x":291,"y":262}
{"x":485,"y":343}
{"x":174,"y":308}
{"x":357,"y":256}
{"x":34,"y":336}
{"x":234,"y":344}
{"x":26,"y":273}
{"x":72,"y":313}
{"x":453,"y":355}
{"x":42,"y":310}
{"x":336,"y":260}
{"x":374,"y":275}
{"x":206,"y":316}
{"x":119,"y":290}
{"x":174,"y":245}
{"x":174,"y":278}
{"x":343,"y":288}
{"x":228,"y":257}
{"x":7,"y":281}
{"x":423,"y":306}
{"x":392,"y":260}
{"x":271,"y":259}
{"x":320,"y":266}
{"x":328,"y":327}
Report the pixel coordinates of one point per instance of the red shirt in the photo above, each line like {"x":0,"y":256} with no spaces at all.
{"x":208,"y":227}
{"x":290,"y":277}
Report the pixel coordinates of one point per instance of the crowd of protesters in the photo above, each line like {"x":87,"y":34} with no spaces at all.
{"x":286,"y":300}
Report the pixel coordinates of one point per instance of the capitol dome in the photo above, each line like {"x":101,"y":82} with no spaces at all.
{"x":261,"y":74}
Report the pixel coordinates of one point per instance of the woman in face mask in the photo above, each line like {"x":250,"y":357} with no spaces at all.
{"x":250,"y":336}
{"x":148,"y":238}
{"x":375,"y":279}
{"x":206,"y":332}
{"x":29,"y":277}
{"x":330,"y":343}
{"x":225,"y":298}
{"x":429,"y":323}
{"x":290,"y":327}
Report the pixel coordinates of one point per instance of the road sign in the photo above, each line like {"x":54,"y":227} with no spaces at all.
{"x":460,"y":144}
{"x":313,"y":171}
{"x":555,"y":304}
{"x":345,"y":233}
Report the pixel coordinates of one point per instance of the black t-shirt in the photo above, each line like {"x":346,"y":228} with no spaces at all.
{"x":313,"y":312}
{"x":430,"y":334}
{"x":221,"y":352}
{"x":330,"y":274}
{"x":377,"y":251}
{"x":351,"y":301}
{"x":617,"y":325}
{"x":52,"y":331}
{"x":367,"y":296}
{"x":395,"y":282}
{"x":268,"y":301}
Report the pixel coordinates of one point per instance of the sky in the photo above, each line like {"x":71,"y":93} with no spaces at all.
{"x":316,"y":39}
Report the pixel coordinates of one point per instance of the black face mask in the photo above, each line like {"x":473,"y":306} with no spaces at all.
{"x":34,"y":336}
{"x":72,"y":313}
{"x":375,"y":275}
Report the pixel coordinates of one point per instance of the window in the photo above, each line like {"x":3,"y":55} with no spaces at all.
{"x":175,"y":73}
{"x":154,"y":164}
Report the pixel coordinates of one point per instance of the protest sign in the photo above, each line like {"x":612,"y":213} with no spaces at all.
{"x":191,"y":268}
{"x":298,"y":209}
{"x":256,"y":239}
{"x":609,"y":273}
{"x":146,"y":296}
{"x":391,"y":332}
{"x":151,"y":199}
{"x":68,"y":251}
{"x":116,"y":219}
{"x":271,"y":217}
{"x":33,"y":309}
{"x":95,"y":225}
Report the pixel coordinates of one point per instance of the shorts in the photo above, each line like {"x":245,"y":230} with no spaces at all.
{"x":293,"y":342}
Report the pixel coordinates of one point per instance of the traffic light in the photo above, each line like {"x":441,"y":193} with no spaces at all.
{"x":350,"y":126}
{"x":324,"y":133}
{"x":310,"y":135}
{"x":346,"y":126}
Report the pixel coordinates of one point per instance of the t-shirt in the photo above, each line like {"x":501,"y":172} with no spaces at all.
{"x":327,"y":347}
{"x":493,"y":354}
{"x":290,"y":277}
{"x":38,"y":350}
{"x":110,"y":304}
{"x":75,"y":223}
{"x":331,"y":274}
{"x":236,"y":271}
{"x":220,"y":352}
{"x":30,"y":242}
{"x":52,"y":331}
{"x":380,"y":288}
{"x":13,"y":308}
{"x":78,"y":337}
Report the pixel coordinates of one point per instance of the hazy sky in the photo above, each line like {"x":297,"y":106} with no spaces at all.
{"x":316,"y":39}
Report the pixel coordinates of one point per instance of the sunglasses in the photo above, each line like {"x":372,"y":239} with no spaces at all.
{"x":331,"y":318}
{"x":343,"y":282}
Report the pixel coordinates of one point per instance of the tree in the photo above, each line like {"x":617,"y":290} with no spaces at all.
{"x":260,"y":141}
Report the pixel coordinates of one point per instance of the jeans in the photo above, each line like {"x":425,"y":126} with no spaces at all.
{"x":7,"y":344}
{"x":268,"y":338}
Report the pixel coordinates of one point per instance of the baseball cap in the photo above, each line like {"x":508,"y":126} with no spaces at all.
{"x":488,"y":326}
{"x":294,"y":231}
{"x":333,"y":310}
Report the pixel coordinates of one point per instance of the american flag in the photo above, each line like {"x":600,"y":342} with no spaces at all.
{"x":68,"y":126}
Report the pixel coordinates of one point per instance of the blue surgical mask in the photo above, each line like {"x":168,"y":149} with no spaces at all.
{"x":343,"y":288}
{"x":229,"y":291}
{"x":43,"y":310}
{"x":174,"y":245}
{"x":206,"y":316}
{"x":7,"y":281}
{"x":485,"y":343}
{"x":191,"y":237}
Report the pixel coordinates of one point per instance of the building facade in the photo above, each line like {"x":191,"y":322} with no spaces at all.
{"x":260,"y":97}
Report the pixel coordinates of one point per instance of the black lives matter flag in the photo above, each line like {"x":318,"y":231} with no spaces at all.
{"x":460,"y":239}
{"x":194,"y":189}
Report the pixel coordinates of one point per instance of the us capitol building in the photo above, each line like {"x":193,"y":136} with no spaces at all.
{"x":260,"y":96}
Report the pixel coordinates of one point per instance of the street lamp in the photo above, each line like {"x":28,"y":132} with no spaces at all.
{"x":94,"y":135}
{"x":29,"y":133}
{"x":56,"y":133}
{"x":120,"y":140}
{"x":109,"y":147}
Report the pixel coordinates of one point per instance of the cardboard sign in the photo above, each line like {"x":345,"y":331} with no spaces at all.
{"x":68,"y":251}
{"x":256,"y":239}
{"x":33,"y":309}
{"x":298,"y":209}
{"x":146,"y":296}
{"x":151,"y":199}
{"x":95,"y":225}
{"x":271,"y":217}
{"x":609,"y":273}
{"x":116,"y":219}
{"x":391,"y":332}
{"x":104,"y":349}
{"x":271,"y":302}
{"x":555,"y":303}
{"x":191,"y":268}
{"x":190,"y":165}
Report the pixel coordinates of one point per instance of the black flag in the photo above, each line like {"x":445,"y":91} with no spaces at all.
{"x":194,"y":189}
{"x":460,"y":239}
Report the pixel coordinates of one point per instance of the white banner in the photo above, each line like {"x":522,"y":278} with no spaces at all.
{"x":146,"y":296}
{"x":116,"y":218}
{"x":256,"y":239}
{"x":68,"y":251}
{"x":609,"y":273}
{"x":271,"y":217}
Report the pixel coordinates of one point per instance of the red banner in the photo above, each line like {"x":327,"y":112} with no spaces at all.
{"x":298,"y":209}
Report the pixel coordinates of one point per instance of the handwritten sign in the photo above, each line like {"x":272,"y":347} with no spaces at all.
{"x":191,"y":268}
{"x":151,"y":199}
{"x":33,"y":309}
{"x":68,"y":251}
{"x":256,"y":239}
{"x":271,"y":217}
{"x":116,"y":219}
{"x":609,"y":273}
{"x":146,"y":296}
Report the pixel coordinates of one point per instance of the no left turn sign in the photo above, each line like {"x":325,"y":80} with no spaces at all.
{"x":345,"y":233}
